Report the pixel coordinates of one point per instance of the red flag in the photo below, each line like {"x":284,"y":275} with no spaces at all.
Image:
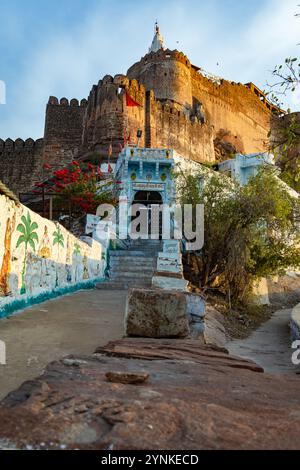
{"x":110,"y":169}
{"x":130,"y":101}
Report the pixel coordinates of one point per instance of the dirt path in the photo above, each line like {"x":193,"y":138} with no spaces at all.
{"x":269,"y":345}
{"x":74,"y":324}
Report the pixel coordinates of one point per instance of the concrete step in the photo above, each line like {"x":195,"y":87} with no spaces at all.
{"x":131,"y":255}
{"x":126,"y":275}
{"x":131,"y":264}
{"x":145,"y":246}
{"x":141,"y":254}
{"x":124,"y":272}
{"x":123,"y":285}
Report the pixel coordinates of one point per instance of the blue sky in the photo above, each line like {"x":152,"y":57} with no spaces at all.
{"x":63,"y":47}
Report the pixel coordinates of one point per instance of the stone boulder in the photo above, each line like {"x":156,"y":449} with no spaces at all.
{"x":155,"y":313}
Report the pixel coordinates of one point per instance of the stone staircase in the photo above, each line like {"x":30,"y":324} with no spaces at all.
{"x":132,"y":267}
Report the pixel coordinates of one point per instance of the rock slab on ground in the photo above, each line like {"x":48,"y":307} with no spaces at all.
{"x":196,"y":397}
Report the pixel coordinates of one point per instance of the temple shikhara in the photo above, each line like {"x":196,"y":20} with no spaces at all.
{"x":163,"y":102}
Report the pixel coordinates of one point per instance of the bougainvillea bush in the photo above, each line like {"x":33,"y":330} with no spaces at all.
{"x":79,"y":188}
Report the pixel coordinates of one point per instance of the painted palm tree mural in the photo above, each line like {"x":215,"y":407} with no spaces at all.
{"x":28,"y":237}
{"x":77,"y":250}
{"x":58,"y":239}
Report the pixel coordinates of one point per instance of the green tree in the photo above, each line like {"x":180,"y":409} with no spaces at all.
{"x":28,"y":237}
{"x":250,"y":232}
{"x":285,"y":135}
{"x":285,"y":144}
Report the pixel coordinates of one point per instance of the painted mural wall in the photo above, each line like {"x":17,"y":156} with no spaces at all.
{"x":38,"y":256}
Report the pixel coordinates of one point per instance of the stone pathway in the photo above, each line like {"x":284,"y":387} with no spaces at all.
{"x":269,"y":346}
{"x":74,"y":324}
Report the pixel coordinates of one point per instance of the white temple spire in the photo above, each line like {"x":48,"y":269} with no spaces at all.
{"x":158,"y":40}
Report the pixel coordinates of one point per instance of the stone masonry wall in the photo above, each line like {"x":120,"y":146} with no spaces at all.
{"x":234,"y":107}
{"x":21,"y":163}
{"x":167,"y":73}
{"x":173,"y":129}
{"x":63,"y":131}
{"x":108,"y":118}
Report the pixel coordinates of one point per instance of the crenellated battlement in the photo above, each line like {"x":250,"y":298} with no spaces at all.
{"x":18,"y":145}
{"x":53,"y":101}
{"x":21,"y":163}
{"x":163,"y":55}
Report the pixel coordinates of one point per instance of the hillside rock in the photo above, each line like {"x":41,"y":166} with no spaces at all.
{"x":196,"y":397}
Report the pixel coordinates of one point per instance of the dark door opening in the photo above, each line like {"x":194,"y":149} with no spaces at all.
{"x":150,"y":201}
{"x":147,"y":198}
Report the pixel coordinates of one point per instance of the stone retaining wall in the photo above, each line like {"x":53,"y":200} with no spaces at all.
{"x":295,"y":323}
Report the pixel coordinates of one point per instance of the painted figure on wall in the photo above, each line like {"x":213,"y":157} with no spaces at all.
{"x":45,"y":254}
{"x":68,"y":261}
{"x":6,"y":262}
{"x":44,"y":249}
{"x":85,"y":268}
{"x":77,"y":263}
{"x":28,"y":237}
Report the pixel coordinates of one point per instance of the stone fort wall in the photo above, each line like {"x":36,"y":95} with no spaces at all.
{"x":178,"y":108}
{"x":236,"y":108}
{"x":21,"y":163}
{"x":63,"y":131}
{"x":231,"y":108}
{"x":164,"y":123}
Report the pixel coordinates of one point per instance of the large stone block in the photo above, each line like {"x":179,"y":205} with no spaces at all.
{"x":170,"y":283}
{"x":156,"y":314}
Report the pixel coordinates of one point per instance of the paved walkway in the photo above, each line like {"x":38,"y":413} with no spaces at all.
{"x":269,"y":345}
{"x":74,"y":324}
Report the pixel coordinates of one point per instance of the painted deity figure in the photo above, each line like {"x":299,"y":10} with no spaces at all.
{"x":6,"y":262}
{"x":68,"y":262}
{"x":45,"y":253}
{"x":44,"y":249}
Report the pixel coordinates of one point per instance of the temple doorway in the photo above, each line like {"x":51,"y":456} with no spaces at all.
{"x":150,"y":202}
